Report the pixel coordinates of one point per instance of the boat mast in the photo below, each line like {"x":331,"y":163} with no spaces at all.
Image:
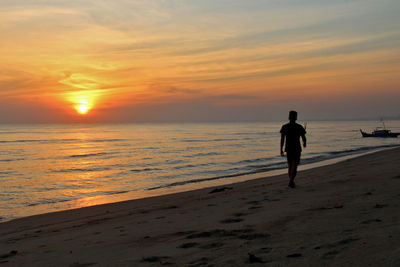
{"x":384,"y":126}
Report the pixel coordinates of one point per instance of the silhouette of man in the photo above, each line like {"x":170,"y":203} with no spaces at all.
{"x":290,"y":136}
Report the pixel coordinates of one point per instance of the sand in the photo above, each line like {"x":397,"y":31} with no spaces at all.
{"x":346,"y":214}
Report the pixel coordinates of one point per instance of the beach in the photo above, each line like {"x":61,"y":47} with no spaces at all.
{"x":345,"y":214}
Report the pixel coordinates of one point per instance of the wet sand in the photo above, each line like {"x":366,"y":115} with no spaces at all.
{"x":345,"y":214}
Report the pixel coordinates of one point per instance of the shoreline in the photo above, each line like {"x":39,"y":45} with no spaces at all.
{"x":341,"y":214}
{"x":185,"y":187}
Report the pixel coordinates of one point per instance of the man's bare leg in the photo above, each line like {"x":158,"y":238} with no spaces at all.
{"x":292,"y":171}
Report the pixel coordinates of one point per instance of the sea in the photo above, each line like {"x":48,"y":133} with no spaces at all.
{"x":53,"y":167}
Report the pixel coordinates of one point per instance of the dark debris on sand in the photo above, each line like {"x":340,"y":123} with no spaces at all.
{"x":188,"y":245}
{"x":219,"y":233}
{"x":221,"y":189}
{"x":10,"y":254}
{"x":294,"y":255}
{"x":254,"y":259}
{"x":154,"y":259}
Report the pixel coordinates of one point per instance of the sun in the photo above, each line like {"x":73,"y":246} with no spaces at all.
{"x":82,"y":108}
{"x":82,"y":102}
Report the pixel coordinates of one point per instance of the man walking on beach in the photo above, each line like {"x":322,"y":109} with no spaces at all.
{"x":290,"y":136}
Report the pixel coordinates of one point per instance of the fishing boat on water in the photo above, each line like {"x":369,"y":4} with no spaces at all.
{"x":380,"y":132}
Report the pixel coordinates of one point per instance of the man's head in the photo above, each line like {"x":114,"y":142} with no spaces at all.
{"x":292,"y":116}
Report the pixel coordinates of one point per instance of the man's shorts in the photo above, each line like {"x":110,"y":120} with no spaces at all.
{"x":293,"y":156}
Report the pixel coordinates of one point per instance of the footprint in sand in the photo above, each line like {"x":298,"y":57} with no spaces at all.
{"x":338,"y":243}
{"x":254,"y":259}
{"x":379,"y":206}
{"x":330,"y":254}
{"x":255,"y":207}
{"x":219,"y":233}
{"x":8,"y":255}
{"x":239,"y":214}
{"x":243,"y":234}
{"x":212,"y":245}
{"x":231,"y":220}
{"x":254,"y":202}
{"x":180,"y":233}
{"x":221,"y":189}
{"x":328,"y":208}
{"x":188,"y":245}
{"x":371,"y":221}
{"x":294,"y":255}
{"x":154,"y":259}
{"x":266,"y":198}
{"x":78,"y":264}
{"x":253,"y":236}
{"x":200,"y":262}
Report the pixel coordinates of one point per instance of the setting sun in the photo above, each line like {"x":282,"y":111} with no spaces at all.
{"x":82,"y":101}
{"x":83,"y":108}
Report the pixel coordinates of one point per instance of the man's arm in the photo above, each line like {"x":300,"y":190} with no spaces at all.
{"x":303,"y":136}
{"x":282,"y":142}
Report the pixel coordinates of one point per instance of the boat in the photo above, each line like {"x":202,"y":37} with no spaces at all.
{"x":380,"y":132}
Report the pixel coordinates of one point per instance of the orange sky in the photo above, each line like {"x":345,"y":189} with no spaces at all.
{"x":198,"y":60}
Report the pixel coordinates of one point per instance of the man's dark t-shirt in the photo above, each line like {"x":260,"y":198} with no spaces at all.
{"x":292,"y":132}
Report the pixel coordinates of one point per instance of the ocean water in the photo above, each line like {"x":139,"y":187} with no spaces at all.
{"x":50,"y":167}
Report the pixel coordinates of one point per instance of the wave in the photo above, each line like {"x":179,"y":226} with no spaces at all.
{"x":10,"y":160}
{"x":105,"y":140}
{"x":95,"y":169}
{"x":205,"y":154}
{"x":213,"y":140}
{"x":39,"y":140}
{"x":337,"y":154}
{"x":177,"y":161}
{"x":112,"y":192}
{"x":90,"y":155}
{"x":255,"y":133}
{"x":49,"y":201}
{"x":252,"y":160}
{"x":60,"y":200}
{"x":22,"y":132}
{"x":6,"y":172}
{"x":145,"y":170}
{"x":45,"y":141}
{"x":188,"y":166}
{"x":254,"y":169}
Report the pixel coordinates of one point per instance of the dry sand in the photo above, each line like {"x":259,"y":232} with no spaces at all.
{"x":346,"y":214}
